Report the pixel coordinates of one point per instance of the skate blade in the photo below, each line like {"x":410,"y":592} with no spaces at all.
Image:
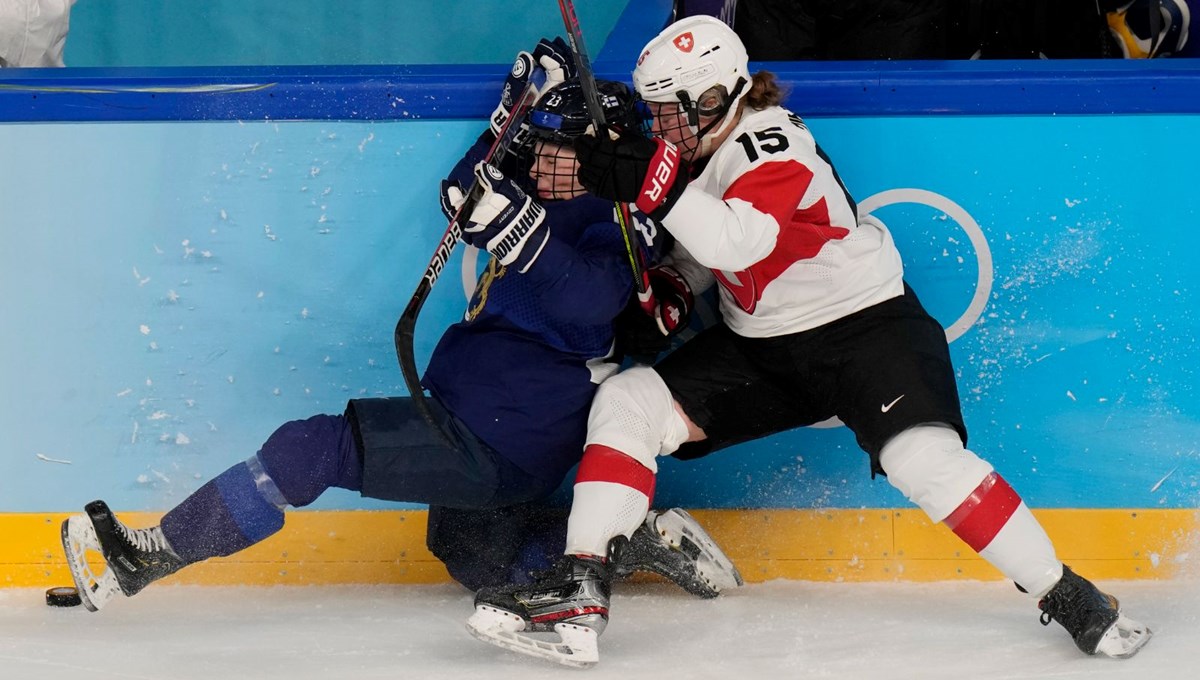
{"x":576,"y":646}
{"x":1124,"y":638}
{"x":677,"y":526}
{"x":79,"y":537}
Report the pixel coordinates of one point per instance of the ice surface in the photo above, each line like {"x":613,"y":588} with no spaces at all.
{"x":781,"y":629}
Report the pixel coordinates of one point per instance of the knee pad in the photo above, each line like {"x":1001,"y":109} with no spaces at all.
{"x":634,"y":413}
{"x":932,"y":468}
{"x":303,"y":458}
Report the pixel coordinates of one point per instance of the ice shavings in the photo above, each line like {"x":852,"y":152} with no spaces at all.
{"x":1159,"y":483}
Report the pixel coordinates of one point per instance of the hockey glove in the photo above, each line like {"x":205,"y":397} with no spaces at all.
{"x":506,"y":222}
{"x":630,"y":168}
{"x":514,"y":85}
{"x":452,"y":197}
{"x":556,"y":59}
{"x":642,"y":336}
{"x":554,"y":56}
{"x":674,"y":297}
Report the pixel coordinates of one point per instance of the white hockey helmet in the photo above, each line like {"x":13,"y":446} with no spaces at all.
{"x":689,"y":62}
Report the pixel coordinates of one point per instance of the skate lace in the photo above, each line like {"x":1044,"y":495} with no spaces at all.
{"x":146,"y":540}
{"x":1071,"y":604}
{"x":1061,"y":604}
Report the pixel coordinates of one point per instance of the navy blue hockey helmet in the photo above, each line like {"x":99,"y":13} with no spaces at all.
{"x":561,"y":114}
{"x":557,"y":119}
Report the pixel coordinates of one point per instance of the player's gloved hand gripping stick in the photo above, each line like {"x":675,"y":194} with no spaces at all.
{"x":506,"y":134}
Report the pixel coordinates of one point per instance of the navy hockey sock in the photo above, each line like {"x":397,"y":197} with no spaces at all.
{"x":543,"y":546}
{"x":224,"y":516}
{"x":244,"y":504}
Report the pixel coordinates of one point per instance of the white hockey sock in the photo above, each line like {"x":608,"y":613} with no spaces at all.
{"x":1022,"y":551}
{"x":612,"y":496}
{"x":930,"y":465}
{"x":997,"y":524}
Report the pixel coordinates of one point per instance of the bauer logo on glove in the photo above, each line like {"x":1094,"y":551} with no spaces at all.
{"x":630,"y":168}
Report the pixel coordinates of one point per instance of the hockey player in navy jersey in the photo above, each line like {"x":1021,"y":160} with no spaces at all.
{"x":511,"y":383}
{"x":817,"y":322}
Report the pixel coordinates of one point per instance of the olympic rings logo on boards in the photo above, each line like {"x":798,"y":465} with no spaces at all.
{"x":983,"y":253}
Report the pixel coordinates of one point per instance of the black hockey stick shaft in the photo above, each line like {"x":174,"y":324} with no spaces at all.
{"x":407,"y":324}
{"x":591,"y":95}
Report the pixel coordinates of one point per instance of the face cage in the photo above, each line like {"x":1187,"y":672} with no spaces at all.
{"x":680,"y":123}
{"x":552,"y":169}
{"x":672,"y":122}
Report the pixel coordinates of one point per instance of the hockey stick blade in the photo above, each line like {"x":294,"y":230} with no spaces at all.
{"x":576,"y":646}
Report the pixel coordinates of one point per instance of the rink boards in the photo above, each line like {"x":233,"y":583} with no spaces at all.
{"x":344,"y":547}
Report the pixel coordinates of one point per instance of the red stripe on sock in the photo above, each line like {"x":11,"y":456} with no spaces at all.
{"x":984,"y":513}
{"x":604,"y":464}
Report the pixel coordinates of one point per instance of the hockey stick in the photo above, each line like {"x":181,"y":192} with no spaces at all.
{"x":407,"y":323}
{"x":591,"y":95}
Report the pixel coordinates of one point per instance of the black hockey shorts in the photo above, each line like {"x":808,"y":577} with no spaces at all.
{"x":405,"y":459}
{"x":880,"y":370}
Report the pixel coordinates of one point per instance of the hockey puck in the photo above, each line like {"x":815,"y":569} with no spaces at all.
{"x":63,"y":596}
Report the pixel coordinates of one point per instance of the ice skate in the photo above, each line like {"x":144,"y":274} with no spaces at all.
{"x":570,"y":600}
{"x":673,"y":545}
{"x":1093,"y":618}
{"x":134,"y":558}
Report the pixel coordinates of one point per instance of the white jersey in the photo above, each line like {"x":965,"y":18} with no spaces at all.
{"x":33,"y":32}
{"x":772,"y":221}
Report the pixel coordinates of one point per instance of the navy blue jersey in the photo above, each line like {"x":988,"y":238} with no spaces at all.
{"x":521,"y":368}
{"x":516,"y":368}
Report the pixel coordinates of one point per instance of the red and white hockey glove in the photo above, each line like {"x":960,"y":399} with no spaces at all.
{"x":674,"y":298}
{"x":631,"y":168}
{"x":642,"y":336}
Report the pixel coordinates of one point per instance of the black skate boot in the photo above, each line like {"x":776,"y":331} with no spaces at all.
{"x":1093,"y":618}
{"x":571,"y":599}
{"x":673,"y":545}
{"x":135,"y":557}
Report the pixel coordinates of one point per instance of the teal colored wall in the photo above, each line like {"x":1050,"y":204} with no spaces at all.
{"x":270,"y":32}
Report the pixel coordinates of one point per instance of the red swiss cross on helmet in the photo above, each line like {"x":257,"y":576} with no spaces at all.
{"x":684,"y":42}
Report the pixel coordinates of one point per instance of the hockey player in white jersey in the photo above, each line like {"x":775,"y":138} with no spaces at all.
{"x":817,"y":322}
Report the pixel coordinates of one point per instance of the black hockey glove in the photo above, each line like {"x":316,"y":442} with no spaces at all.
{"x":554,"y":57}
{"x":506,"y":222}
{"x":643,"y":337}
{"x":630,"y":168}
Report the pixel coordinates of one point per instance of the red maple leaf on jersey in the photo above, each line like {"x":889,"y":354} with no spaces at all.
{"x":776,"y":189}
